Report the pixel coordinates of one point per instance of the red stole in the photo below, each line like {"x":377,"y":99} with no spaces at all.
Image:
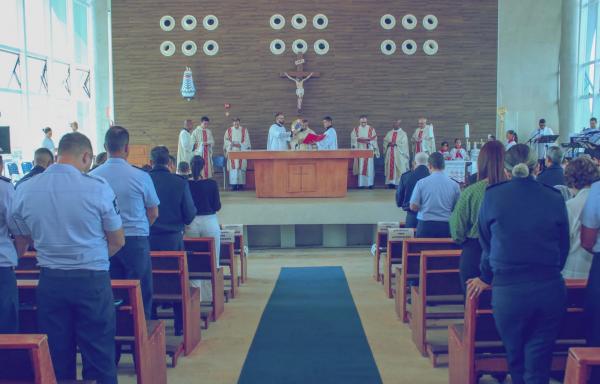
{"x":393,"y":155}
{"x":458,"y":153}
{"x":418,"y":148}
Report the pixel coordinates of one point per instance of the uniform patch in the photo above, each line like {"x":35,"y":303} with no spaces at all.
{"x":116,"y":206}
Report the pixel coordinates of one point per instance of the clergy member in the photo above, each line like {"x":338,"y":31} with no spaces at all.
{"x":423,"y":137}
{"x":203,"y":145}
{"x":458,"y":152}
{"x":279,"y":138}
{"x":185,"y":145}
{"x":299,"y":135}
{"x":236,"y":139}
{"x":395,"y":146}
{"x":329,"y":141}
{"x":364,"y":137}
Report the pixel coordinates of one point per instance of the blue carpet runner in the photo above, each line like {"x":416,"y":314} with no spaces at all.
{"x":310,"y":332}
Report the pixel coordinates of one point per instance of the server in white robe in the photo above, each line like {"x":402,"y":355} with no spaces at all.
{"x":203,"y":141}
{"x":236,"y":139}
{"x":395,"y":147}
{"x":185,"y":145}
{"x":458,"y":152}
{"x":329,"y":141}
{"x":540,"y":148}
{"x":279,"y":137}
{"x":365,"y":137}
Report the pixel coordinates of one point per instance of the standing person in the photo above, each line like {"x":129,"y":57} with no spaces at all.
{"x":524,"y":236}
{"x":279,"y":138}
{"x":423,"y":138}
{"x":42,"y":159}
{"x":458,"y":152}
{"x":185,"y":146}
{"x":9,"y":296}
{"x":236,"y":139}
{"x":434,"y":198}
{"x":365,"y":137}
{"x":99,"y":160}
{"x":464,"y":219}
{"x":48,"y":143}
{"x":299,"y":136}
{"x":138,"y":204}
{"x":407,"y":185}
{"x":580,"y":174}
{"x":203,"y":141}
{"x":329,"y":141}
{"x":540,"y":148}
{"x":205,"y":193}
{"x":395,"y":146}
{"x":590,"y":241}
{"x":553,"y":173}
{"x":74,"y":126}
{"x":177,"y":207}
{"x":445,"y":150}
{"x":75,"y":229}
{"x":511,"y":139}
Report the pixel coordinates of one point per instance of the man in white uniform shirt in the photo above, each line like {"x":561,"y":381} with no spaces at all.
{"x":540,"y":148}
{"x":279,"y":137}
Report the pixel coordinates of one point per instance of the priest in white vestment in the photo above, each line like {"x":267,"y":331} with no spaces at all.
{"x":279,"y":138}
{"x":185,"y":145}
{"x":365,"y":137}
{"x":395,"y":146}
{"x":203,"y":141}
{"x":329,"y":141}
{"x":423,"y":138}
{"x":236,"y":139}
{"x":297,"y":142}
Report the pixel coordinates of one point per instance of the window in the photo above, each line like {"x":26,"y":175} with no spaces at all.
{"x":589,"y":63}
{"x":60,"y":37}
{"x":80,"y":23}
{"x":36,"y":26}
{"x":9,"y":23}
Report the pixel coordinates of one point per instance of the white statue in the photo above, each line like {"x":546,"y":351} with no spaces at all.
{"x":299,"y":86}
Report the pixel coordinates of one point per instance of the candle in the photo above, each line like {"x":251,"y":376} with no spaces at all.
{"x":430,"y":130}
{"x":467,"y":131}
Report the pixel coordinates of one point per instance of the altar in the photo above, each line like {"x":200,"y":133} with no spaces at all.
{"x":301,"y":173}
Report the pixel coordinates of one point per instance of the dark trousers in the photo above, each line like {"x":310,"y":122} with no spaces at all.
{"x":169,"y":242}
{"x":133,"y":262}
{"x":76,"y":309}
{"x":9,"y":301}
{"x":470,"y":259}
{"x":592,"y":310}
{"x":411,"y":220}
{"x":430,"y":229}
{"x":528,"y":317}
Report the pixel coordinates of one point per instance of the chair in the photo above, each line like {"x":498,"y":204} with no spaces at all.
{"x":26,"y":167}
{"x":579,"y":364}
{"x":220,"y":162}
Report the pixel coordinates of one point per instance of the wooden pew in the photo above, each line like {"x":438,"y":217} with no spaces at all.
{"x":439,"y":284}
{"x":381,"y":245}
{"x":579,"y":364}
{"x":411,"y":255}
{"x":26,"y":358}
{"x":202,"y":265}
{"x":475,"y":348}
{"x":145,"y":339}
{"x":393,"y":255}
{"x":238,"y":247}
{"x":228,"y":259}
{"x":172,"y":285}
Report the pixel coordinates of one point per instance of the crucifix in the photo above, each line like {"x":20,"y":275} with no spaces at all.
{"x":299,"y":76}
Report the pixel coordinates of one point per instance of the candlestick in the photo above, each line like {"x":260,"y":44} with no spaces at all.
{"x":467,"y":131}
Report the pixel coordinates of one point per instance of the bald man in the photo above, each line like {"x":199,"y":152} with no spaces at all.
{"x":42,"y":159}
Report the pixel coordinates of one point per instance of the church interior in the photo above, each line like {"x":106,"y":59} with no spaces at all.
{"x":300,"y":192}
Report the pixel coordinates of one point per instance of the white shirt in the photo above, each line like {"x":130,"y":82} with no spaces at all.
{"x":49,"y":144}
{"x":510,"y":144}
{"x":278,"y":138}
{"x":184,"y":149}
{"x":579,"y":260}
{"x":330,"y":140}
{"x":539,"y":147}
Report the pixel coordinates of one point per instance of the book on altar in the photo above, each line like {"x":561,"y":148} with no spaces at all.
{"x":311,"y":138}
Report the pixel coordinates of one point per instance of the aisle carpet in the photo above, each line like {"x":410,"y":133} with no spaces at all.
{"x":310,"y":332}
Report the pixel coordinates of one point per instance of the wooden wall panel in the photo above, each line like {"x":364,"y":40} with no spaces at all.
{"x":455,"y":86}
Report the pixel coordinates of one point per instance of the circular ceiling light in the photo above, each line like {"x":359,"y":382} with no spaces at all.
{"x":277,"y":47}
{"x":211,"y":48}
{"x":167,"y":23}
{"x":189,"y":22}
{"x":189,"y":48}
{"x":387,"y":22}
{"x":430,"y":22}
{"x":299,"y":21}
{"x":320,"y":21}
{"x":321,"y":47}
{"x":277,"y":21}
{"x":409,"y":47}
{"x":388,"y":47}
{"x":299,"y":46}
{"x":409,"y":22}
{"x":167,"y":48}
{"x":210,"y":22}
{"x":430,"y":47}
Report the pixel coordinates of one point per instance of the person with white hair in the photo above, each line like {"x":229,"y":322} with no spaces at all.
{"x":553,"y":174}
{"x":524,"y":236}
{"x":407,"y":183}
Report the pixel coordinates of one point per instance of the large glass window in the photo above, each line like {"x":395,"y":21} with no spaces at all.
{"x":589,"y":63}
{"x":46,"y":70}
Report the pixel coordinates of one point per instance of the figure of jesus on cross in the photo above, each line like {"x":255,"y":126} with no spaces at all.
{"x":299,"y":77}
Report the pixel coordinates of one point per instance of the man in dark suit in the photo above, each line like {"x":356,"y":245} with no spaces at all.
{"x":176,"y":209}
{"x":42,"y":159}
{"x":408,"y":180}
{"x":554,"y":173}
